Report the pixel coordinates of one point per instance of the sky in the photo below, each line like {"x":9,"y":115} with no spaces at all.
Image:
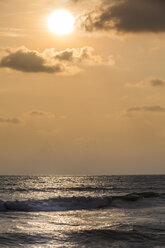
{"x":89,"y":102}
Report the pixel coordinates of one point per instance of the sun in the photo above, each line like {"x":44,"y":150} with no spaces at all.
{"x":61,"y":22}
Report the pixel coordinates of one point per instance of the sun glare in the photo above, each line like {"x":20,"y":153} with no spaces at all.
{"x":61,"y":22}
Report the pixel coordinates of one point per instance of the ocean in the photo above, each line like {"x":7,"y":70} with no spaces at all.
{"x":82,"y":211}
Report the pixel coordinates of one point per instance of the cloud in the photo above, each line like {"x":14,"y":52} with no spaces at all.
{"x":25,"y":60}
{"x":83,"y":55}
{"x":150,"y":82}
{"x":10,"y":120}
{"x":126,"y":16}
{"x":38,"y":113}
{"x":152,"y":108}
{"x":49,"y":61}
{"x":157,"y":82}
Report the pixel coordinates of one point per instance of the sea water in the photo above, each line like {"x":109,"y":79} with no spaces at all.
{"x":82,"y":211}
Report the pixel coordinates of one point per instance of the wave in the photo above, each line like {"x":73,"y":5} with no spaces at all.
{"x":104,"y":237}
{"x":52,"y":189}
{"x":56,"y":204}
{"x":115,"y":234}
{"x":75,"y":203}
{"x":131,"y":238}
{"x":15,"y":239}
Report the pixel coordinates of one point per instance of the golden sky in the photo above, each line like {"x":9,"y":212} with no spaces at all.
{"x":88,"y":102}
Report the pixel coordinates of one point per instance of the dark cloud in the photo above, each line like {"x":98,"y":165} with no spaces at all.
{"x":150,"y":82}
{"x":49,"y":61}
{"x":126,"y":16}
{"x":152,"y":108}
{"x":10,"y":120}
{"x":26,"y":60}
{"x":157,"y":82}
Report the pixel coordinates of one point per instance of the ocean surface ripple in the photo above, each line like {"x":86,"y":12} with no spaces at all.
{"x":82,"y":211}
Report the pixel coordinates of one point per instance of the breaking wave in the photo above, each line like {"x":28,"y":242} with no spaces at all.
{"x":76,"y":203}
